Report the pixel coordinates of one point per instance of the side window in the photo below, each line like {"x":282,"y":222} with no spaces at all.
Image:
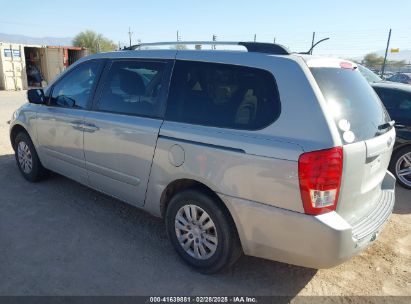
{"x":393,"y":78}
{"x":73,"y":91}
{"x":388,"y":98}
{"x":221,"y":95}
{"x":398,"y":103}
{"x":404,"y":107}
{"x":133,"y":87}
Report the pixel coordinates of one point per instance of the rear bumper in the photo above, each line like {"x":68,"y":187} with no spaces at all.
{"x":321,"y":241}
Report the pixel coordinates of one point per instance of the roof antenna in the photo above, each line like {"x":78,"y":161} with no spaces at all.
{"x":318,"y":42}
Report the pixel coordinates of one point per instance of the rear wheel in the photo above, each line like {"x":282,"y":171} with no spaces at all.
{"x":400,"y":166}
{"x":27,"y":158}
{"x":200,"y":231}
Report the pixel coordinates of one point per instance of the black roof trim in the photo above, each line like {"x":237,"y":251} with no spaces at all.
{"x":269,"y":48}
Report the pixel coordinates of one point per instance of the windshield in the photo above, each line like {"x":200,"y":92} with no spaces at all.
{"x":356,"y":108}
{"x":369,"y":75}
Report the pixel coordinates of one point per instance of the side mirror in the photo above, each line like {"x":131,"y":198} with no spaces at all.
{"x":36,"y":96}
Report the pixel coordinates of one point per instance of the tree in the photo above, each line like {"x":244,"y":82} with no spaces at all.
{"x":373,"y":61}
{"x":398,"y":63}
{"x":94,"y":42}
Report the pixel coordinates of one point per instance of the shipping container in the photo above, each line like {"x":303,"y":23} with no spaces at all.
{"x":12,"y":67}
{"x":25,"y":66}
{"x":57,"y":58}
{"x":34,"y":68}
{"x":52,"y":60}
{"x":72,"y":54}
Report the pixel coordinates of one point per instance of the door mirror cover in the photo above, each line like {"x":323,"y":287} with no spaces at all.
{"x":36,"y":96}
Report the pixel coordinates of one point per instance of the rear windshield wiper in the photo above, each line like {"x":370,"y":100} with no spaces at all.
{"x":386,"y":125}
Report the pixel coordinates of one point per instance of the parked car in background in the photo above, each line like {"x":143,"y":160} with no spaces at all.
{"x":232,"y":151}
{"x":401,"y":77}
{"x":388,"y":75}
{"x":397,"y":100}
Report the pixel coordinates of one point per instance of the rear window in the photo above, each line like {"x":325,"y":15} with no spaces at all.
{"x":356,"y":108}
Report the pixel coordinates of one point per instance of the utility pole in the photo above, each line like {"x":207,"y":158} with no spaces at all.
{"x":255,"y":37}
{"x":98,"y":45}
{"x":119,"y":46}
{"x":312,"y":43}
{"x":178,"y":36}
{"x":130,"y":33}
{"x":274,"y":40}
{"x":386,"y":53}
{"x":214,"y":39}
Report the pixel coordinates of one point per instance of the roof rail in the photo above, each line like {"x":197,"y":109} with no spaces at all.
{"x":259,"y":47}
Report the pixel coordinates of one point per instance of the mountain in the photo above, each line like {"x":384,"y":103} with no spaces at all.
{"x":54,"y":41}
{"x":401,"y":55}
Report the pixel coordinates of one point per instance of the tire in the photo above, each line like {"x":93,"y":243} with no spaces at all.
{"x":218,"y":230}
{"x":28,"y":162}
{"x":401,"y":159}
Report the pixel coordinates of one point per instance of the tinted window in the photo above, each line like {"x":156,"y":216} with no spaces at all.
{"x":393,"y":78}
{"x":388,"y":97}
{"x":73,"y":91}
{"x":398,"y":103}
{"x":355,"y":106}
{"x":133,"y":87}
{"x":222,"y":95}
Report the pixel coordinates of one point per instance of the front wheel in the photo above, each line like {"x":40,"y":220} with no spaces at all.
{"x":400,"y":166}
{"x":201,"y":232}
{"x":27,"y":158}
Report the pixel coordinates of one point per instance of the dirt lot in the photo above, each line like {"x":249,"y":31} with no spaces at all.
{"x":60,"y":238}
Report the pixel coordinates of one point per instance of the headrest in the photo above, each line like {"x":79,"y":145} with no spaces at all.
{"x":131,"y":82}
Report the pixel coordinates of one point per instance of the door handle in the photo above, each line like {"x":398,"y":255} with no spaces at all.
{"x":89,"y":127}
{"x":77,"y":125}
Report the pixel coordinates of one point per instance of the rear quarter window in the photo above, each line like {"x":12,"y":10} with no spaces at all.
{"x":355,"y":107}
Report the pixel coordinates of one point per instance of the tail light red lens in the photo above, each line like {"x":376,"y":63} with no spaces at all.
{"x":320,"y":179}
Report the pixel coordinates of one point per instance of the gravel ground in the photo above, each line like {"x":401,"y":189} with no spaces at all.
{"x":58,"y":237}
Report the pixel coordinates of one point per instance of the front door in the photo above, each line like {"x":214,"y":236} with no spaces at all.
{"x":120,"y":134}
{"x":60,"y":124}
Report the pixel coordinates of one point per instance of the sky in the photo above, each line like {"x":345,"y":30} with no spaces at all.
{"x":355,"y":27}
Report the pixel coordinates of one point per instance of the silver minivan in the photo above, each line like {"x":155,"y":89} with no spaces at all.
{"x":264,"y":152}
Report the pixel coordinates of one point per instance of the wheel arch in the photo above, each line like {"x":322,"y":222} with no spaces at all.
{"x":401,"y":146}
{"x":182,"y":184}
{"x":16,"y":129}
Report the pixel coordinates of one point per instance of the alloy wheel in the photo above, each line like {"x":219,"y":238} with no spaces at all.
{"x":403,"y":168}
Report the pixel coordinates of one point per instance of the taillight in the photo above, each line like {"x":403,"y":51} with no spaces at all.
{"x":320,"y":179}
